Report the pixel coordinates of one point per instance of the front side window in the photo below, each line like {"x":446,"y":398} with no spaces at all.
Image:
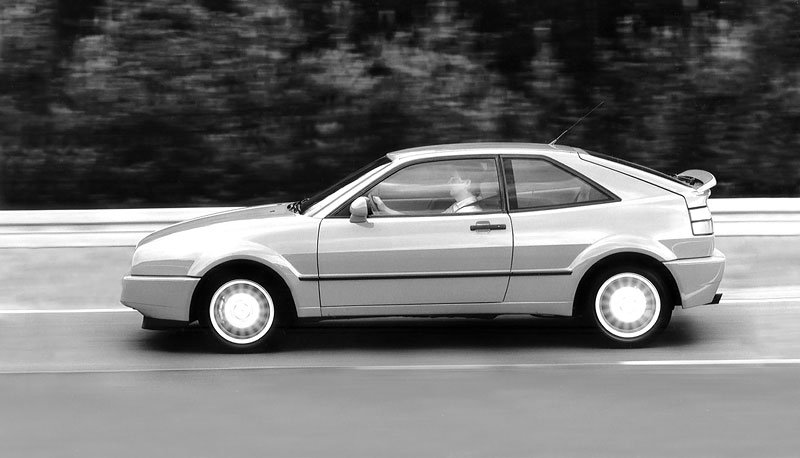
{"x":438,"y":188}
{"x":537,"y":183}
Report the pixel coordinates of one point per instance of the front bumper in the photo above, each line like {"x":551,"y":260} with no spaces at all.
{"x":162,"y":298}
{"x":698,"y":279}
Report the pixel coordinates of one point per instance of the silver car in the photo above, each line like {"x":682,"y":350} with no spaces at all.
{"x":453,"y":230}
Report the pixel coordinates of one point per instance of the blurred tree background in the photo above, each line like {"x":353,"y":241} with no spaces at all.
{"x":126,"y":103}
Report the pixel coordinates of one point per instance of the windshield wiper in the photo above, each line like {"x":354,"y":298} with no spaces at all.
{"x":297,"y":207}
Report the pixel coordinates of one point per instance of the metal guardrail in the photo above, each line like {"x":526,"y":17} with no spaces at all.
{"x":124,"y":228}
{"x":89,"y":228}
{"x":756,"y":217}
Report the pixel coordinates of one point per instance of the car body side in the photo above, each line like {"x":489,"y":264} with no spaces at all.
{"x":553,"y":249}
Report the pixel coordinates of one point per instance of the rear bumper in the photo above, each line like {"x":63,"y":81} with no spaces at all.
{"x":698,"y":279}
{"x":162,"y":298}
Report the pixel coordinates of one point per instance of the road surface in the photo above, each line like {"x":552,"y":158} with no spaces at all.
{"x":722,"y":381}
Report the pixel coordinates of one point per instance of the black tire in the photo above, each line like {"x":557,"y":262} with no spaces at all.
{"x":244,"y":312}
{"x":628,"y":305}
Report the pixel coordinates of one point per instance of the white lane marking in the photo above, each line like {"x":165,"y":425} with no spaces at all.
{"x":420,"y":367}
{"x":759,"y":301}
{"x":461,"y":367}
{"x":64,"y":311}
{"x":684,"y":362}
{"x":711,"y":362}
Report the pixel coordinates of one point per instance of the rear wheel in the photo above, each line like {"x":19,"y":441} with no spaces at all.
{"x":630,"y":305}
{"x":243,"y":313}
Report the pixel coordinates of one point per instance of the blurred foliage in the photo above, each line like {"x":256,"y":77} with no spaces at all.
{"x":123,"y":103}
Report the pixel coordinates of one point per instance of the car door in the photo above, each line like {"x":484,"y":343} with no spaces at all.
{"x":418,"y":246}
{"x":556,"y":216}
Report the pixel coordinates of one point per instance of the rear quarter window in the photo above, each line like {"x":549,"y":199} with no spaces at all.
{"x":538,"y":183}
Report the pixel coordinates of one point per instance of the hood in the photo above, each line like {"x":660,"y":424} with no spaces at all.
{"x":260,"y":212}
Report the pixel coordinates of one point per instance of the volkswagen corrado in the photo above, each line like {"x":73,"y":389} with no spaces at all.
{"x":453,"y":230}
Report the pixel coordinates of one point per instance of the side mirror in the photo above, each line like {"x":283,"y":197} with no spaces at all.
{"x":359,"y":210}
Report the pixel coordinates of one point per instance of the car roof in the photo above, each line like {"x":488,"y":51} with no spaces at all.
{"x":455,"y":149}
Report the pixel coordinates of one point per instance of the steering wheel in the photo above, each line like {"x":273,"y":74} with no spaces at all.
{"x":373,"y":207}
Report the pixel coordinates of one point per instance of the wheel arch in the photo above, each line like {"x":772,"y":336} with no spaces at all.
{"x":619,"y":259}
{"x":245,"y":267}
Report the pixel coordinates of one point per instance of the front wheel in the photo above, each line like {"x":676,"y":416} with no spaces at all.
{"x":629,"y":306}
{"x":242,"y":313}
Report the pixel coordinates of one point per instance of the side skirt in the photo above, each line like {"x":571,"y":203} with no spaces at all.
{"x":502,"y":308}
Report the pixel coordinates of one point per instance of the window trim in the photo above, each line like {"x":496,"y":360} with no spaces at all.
{"x":345,"y":207}
{"x":511,"y":183}
{"x":639,"y":167}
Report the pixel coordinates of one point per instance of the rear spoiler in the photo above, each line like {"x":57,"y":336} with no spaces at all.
{"x":700,"y":180}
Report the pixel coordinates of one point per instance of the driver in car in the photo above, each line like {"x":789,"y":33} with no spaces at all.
{"x":465,"y":200}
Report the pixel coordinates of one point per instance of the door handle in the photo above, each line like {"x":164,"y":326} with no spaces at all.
{"x":487,"y":226}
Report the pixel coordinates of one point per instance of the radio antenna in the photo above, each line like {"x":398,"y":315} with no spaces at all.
{"x":576,"y":123}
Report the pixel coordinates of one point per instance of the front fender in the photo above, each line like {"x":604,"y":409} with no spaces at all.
{"x":302,"y":284}
{"x":242,"y":250}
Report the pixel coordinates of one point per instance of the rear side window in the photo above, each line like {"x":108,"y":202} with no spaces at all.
{"x":538,"y":183}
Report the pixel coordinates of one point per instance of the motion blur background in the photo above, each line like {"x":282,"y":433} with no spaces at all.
{"x":147,"y":103}
{"x":124,"y":104}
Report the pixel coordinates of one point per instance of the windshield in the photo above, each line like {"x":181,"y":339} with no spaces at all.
{"x":304,"y":204}
{"x":674,"y":178}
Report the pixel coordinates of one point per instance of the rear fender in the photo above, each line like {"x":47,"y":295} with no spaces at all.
{"x":619,"y":244}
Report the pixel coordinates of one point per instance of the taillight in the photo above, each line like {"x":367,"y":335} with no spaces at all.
{"x":701,"y":221}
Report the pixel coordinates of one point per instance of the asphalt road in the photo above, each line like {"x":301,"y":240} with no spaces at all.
{"x":722,"y":381}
